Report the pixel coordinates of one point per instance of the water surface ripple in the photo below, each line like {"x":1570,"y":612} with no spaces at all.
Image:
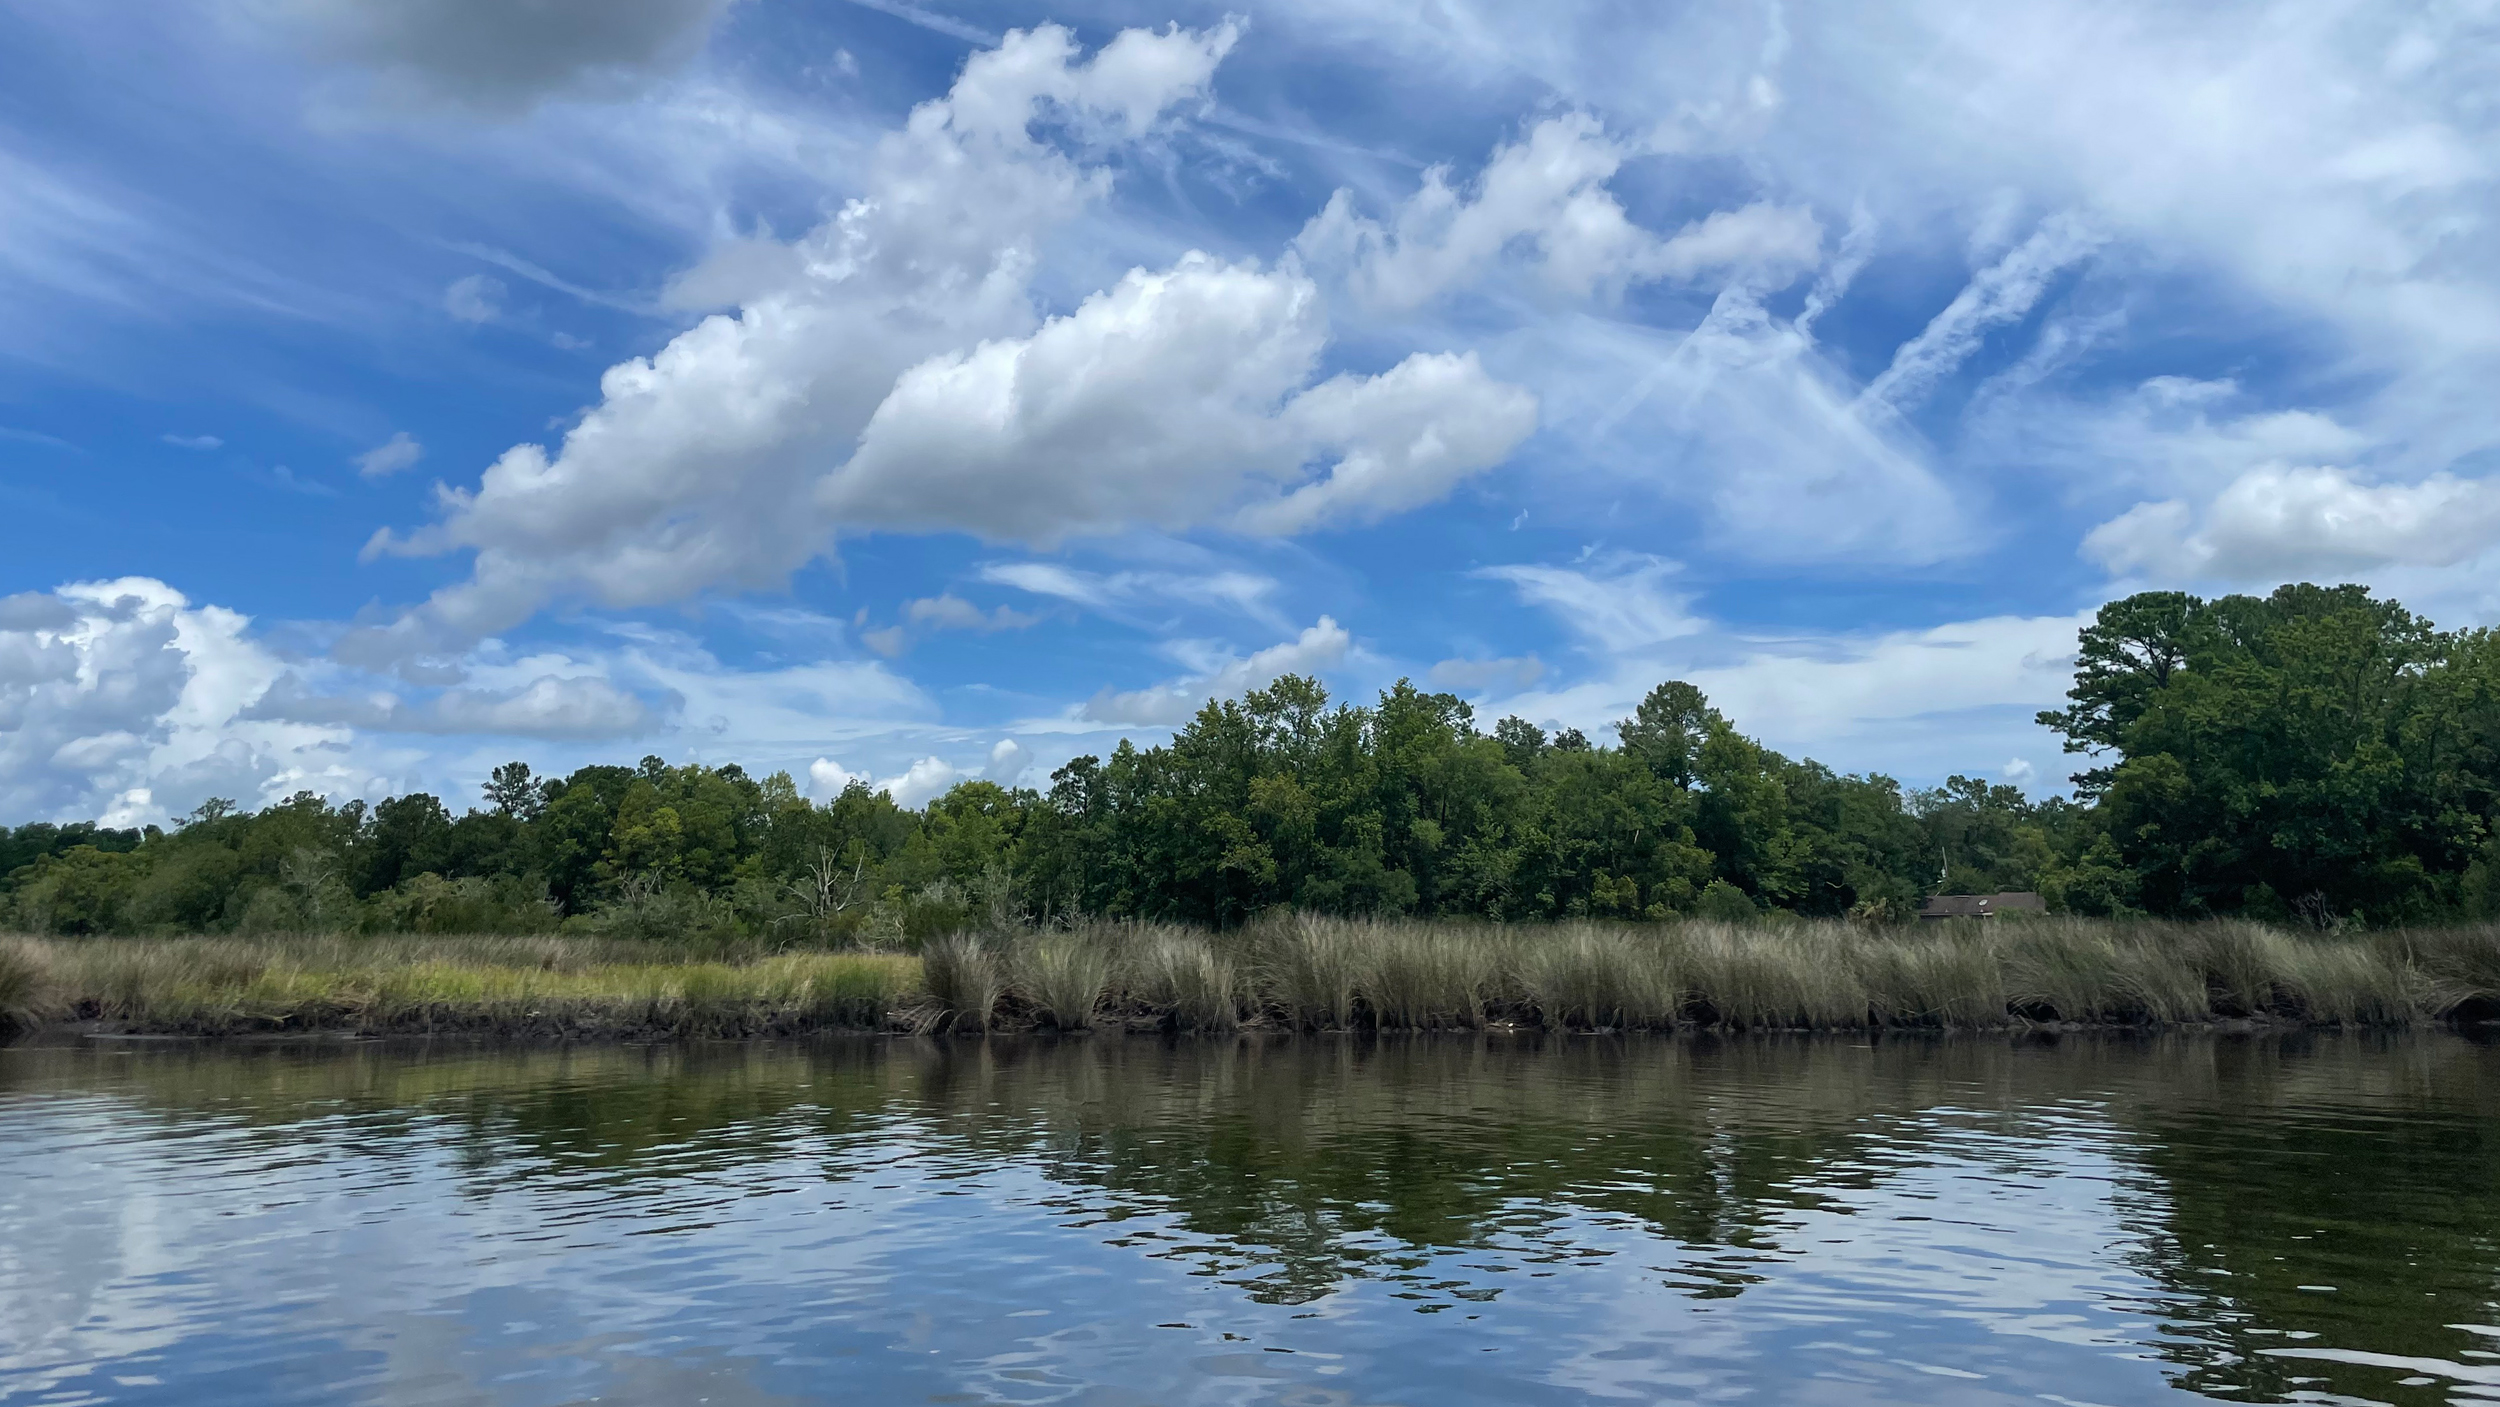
{"x":1314,"y":1222}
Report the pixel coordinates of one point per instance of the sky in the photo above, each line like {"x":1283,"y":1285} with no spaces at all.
{"x":920,"y":390}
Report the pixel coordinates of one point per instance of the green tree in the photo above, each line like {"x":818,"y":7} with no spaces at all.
{"x":2304,"y":747}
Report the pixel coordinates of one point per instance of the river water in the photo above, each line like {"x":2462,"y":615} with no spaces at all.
{"x":1124,"y":1221}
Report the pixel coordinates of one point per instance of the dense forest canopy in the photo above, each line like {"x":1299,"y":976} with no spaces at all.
{"x":2315,"y":753}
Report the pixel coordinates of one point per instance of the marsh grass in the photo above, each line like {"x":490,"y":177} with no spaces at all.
{"x":1955,"y":979}
{"x":1312,"y":966}
{"x":1286,"y":972}
{"x":1182,"y":974}
{"x":2343,"y":983}
{"x":540,"y":986}
{"x":1777,"y":978}
{"x":1590,"y":977}
{"x":1065,"y":976}
{"x":966,"y":978}
{"x":25,"y":986}
{"x":1425,"y":976}
{"x":2458,"y":968}
{"x":2072,"y":970}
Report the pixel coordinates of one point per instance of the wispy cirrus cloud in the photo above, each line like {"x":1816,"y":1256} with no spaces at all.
{"x":400,"y":451}
{"x":1134,"y":591}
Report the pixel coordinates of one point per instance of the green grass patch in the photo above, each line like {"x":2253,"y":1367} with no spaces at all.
{"x":524,"y":986}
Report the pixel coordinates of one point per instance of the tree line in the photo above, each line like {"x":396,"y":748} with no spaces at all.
{"x":2312,"y":754}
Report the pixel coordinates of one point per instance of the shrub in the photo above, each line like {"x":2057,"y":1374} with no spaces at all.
{"x":1722,"y":902}
{"x":431,"y":904}
{"x":648,"y":913}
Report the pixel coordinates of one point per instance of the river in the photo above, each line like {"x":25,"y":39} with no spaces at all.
{"x":1313,"y":1221}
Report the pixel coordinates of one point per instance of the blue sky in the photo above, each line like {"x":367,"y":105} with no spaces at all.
{"x":927,"y":391}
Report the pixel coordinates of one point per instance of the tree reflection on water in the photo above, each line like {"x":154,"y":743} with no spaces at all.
{"x":2245,"y":1177}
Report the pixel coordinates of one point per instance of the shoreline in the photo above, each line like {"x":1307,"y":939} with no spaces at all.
{"x":1289,"y":973}
{"x":903,"y":1025}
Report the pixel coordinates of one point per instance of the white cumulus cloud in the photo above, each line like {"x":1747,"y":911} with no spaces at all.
{"x":827,"y":778}
{"x":122,"y":700}
{"x":914,"y":787}
{"x":1545,"y":193}
{"x":1321,"y":646}
{"x":923,"y":782}
{"x":698,"y":468}
{"x":888,"y":371}
{"x":1009,"y":761}
{"x":2277,"y":522}
{"x":1167,"y":400}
